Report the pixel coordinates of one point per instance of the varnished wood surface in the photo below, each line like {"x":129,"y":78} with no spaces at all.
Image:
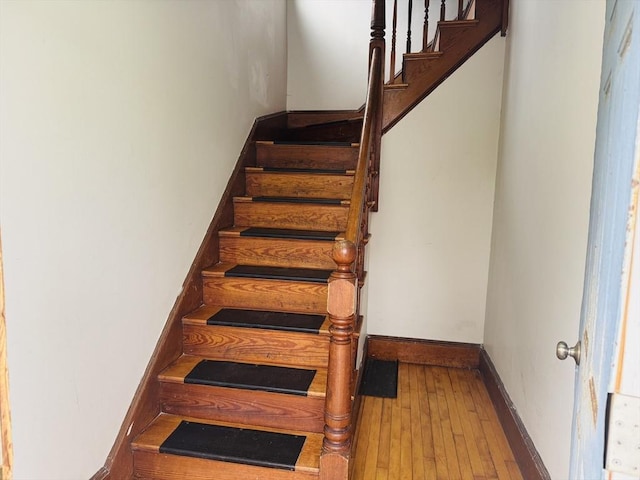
{"x":306,"y":185}
{"x":426,"y":75}
{"x":442,"y":426}
{"x":307,"y":118}
{"x":158,"y":466}
{"x":152,"y":465}
{"x":264,"y":409}
{"x":300,"y":297}
{"x":277,"y":252}
{"x":425,"y":352}
{"x":327,"y":218}
{"x":306,"y":156}
{"x":256,"y":345}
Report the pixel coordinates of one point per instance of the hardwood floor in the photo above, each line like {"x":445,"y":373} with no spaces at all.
{"x":442,"y":426}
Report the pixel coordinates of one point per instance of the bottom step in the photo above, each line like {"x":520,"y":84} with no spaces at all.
{"x":174,"y":447}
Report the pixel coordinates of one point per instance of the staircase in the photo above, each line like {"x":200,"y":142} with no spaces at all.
{"x":254,"y":376}
{"x":246,"y":399}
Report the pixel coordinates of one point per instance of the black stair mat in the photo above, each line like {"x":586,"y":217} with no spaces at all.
{"x":236,"y":445}
{"x":331,"y":201}
{"x":277,"y":273}
{"x":304,"y":170}
{"x":288,"y":322}
{"x":312,"y":143}
{"x":380,"y":378}
{"x":293,"y":234}
{"x":267,"y":378}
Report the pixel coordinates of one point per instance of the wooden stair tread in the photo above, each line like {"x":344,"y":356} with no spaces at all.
{"x":421,"y":55}
{"x":296,"y":170}
{"x":283,"y":233}
{"x":291,"y":380}
{"x":309,"y":143}
{"x":260,"y":319}
{"x":395,"y":86}
{"x":227,"y":270}
{"x":162,"y":428}
{"x":458,"y":23}
{"x":295,"y":200}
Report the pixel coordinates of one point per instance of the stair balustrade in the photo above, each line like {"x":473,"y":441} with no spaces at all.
{"x":463,"y":10}
{"x":345,"y":282}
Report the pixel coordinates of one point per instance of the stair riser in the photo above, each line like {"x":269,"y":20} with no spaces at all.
{"x":417,"y":68}
{"x":297,"y":297}
{"x":252,"y":345}
{"x":306,"y":156}
{"x":265,"y":409}
{"x":327,"y":218}
{"x":277,"y":252}
{"x":298,"y":185}
{"x":449,"y":36}
{"x":160,"y":466}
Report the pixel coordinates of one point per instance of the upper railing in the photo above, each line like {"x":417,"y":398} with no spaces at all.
{"x":403,"y":15}
{"x":348,"y":253}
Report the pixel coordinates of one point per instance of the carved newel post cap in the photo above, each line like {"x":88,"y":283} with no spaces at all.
{"x":344,"y":252}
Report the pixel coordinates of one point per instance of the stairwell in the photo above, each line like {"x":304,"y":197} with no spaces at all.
{"x":255,"y":376}
{"x":247,"y":396}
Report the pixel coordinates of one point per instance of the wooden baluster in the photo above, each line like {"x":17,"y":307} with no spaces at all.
{"x":425,"y":28}
{"x":392,"y":68}
{"x":377,"y":31}
{"x":336,"y":446}
{"x":460,"y":9}
{"x":409,"y":26}
{"x":442,"y":9}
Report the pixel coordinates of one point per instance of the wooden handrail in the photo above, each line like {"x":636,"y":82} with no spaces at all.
{"x":358,"y":198}
{"x":344,"y":282}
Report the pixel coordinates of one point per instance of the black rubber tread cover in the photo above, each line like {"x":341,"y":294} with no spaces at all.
{"x":278,"y":273}
{"x":312,"y":143}
{"x":285,"y":233}
{"x":331,"y":201}
{"x":380,"y":378}
{"x":236,"y":445}
{"x":288,"y":322}
{"x":266,"y":378}
{"x":304,"y":170}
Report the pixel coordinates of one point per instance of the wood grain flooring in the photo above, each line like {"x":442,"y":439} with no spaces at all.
{"x":442,"y":426}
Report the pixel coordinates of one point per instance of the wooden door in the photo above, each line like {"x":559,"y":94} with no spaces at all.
{"x":616,"y":153}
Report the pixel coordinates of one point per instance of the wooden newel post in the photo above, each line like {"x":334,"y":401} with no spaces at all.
{"x":341,"y":299}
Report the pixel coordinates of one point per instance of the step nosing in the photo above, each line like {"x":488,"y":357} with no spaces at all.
{"x":310,"y":171}
{"x":311,"y":143}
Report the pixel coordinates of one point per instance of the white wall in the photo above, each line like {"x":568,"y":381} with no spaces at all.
{"x":543,"y":187}
{"x":327,"y":53}
{"x":120,"y":124}
{"x":429,"y":252}
{"x":437,"y":177}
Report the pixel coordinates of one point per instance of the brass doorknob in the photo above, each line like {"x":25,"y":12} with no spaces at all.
{"x":563,"y":351}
